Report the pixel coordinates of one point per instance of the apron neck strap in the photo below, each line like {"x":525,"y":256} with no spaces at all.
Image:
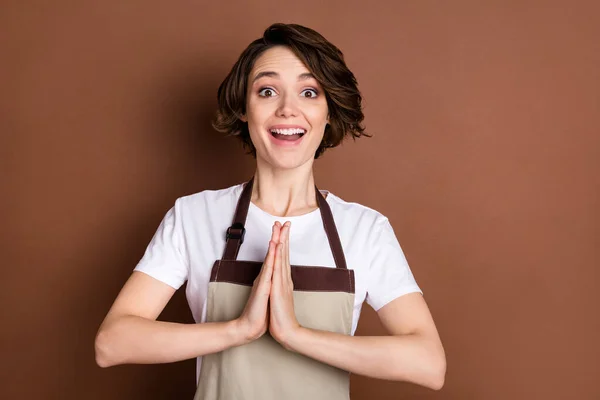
{"x":235,"y":233}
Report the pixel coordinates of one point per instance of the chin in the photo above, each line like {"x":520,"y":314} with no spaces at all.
{"x":286,"y":162}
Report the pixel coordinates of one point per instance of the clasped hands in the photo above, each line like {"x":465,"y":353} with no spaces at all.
{"x":271,"y":302}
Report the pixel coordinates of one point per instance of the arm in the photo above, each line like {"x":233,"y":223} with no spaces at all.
{"x":131,"y":334}
{"x":412,"y":352}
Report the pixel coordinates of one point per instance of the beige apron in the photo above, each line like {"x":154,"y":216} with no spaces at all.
{"x":263,"y":369}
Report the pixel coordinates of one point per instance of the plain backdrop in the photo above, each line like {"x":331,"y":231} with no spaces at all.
{"x":485,"y":157}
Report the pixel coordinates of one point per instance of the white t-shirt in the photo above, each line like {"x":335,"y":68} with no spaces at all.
{"x":192,"y":236}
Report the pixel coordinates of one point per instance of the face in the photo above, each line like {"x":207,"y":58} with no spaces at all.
{"x":286,"y":109}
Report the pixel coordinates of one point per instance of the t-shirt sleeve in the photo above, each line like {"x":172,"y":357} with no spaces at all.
{"x":389,"y":274}
{"x":164,"y":257}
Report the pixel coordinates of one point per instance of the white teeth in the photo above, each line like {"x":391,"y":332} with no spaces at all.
{"x":293,"y":131}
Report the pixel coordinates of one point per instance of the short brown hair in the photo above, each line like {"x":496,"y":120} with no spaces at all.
{"x":323,"y":60}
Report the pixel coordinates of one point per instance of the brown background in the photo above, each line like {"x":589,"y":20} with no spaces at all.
{"x":485,"y":157}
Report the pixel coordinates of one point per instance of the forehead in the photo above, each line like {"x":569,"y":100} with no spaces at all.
{"x":278,"y":59}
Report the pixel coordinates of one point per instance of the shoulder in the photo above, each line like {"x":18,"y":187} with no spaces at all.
{"x":213,"y":198}
{"x":356,"y":214}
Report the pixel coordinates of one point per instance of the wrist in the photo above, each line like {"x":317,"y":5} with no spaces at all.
{"x":293,"y":338}
{"x":236,"y":333}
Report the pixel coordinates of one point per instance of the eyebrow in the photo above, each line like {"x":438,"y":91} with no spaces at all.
{"x":271,"y":74}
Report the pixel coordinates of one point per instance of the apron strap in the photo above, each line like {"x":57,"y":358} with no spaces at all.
{"x":235,"y":233}
{"x":331,"y":231}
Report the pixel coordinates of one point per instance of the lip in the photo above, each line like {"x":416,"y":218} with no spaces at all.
{"x":284,"y":126}
{"x":286,"y":143}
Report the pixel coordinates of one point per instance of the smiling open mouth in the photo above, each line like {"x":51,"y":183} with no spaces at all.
{"x":288,"y":134}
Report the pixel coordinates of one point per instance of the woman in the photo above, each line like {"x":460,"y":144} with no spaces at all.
{"x":278,"y":325}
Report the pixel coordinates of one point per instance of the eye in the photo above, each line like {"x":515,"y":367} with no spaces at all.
{"x":309,"y":93}
{"x":266,"y":92}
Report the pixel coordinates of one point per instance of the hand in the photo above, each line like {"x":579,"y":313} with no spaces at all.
{"x":282,"y":320}
{"x":253,"y":322}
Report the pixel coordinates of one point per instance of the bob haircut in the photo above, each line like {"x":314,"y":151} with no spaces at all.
{"x":322,"y":59}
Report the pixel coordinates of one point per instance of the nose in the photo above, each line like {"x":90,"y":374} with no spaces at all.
{"x":288,"y":106}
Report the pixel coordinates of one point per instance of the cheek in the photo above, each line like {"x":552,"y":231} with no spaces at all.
{"x":258,"y":111}
{"x":250,"y":108}
{"x":318,"y":115}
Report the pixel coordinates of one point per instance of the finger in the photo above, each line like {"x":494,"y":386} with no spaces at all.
{"x":277,"y":232}
{"x":277,"y":266}
{"x":287,"y":269}
{"x":283,"y":275}
{"x":273,"y":237}
{"x":266,"y":271}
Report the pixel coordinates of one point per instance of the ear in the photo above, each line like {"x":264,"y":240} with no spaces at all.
{"x":243,"y":118}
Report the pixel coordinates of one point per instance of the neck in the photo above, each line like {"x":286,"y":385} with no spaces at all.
{"x":284,"y":192}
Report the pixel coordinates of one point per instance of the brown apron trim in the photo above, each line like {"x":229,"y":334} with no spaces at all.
{"x":331,"y":231}
{"x":307,"y":278}
{"x":232,"y":246}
